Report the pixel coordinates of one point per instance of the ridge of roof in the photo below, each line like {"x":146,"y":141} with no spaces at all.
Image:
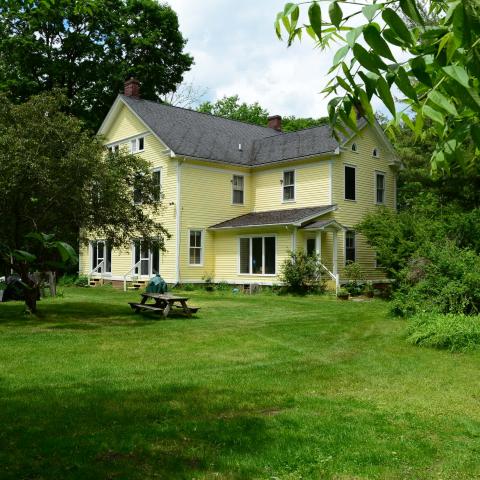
{"x":209,"y":115}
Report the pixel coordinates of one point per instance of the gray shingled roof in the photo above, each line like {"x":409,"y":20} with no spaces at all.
{"x":319,"y":224}
{"x":201,"y":135}
{"x":275,"y":217}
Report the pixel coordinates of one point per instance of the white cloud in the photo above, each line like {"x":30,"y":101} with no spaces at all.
{"x":236,"y":51}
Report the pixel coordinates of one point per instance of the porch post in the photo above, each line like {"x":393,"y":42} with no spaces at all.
{"x":318,"y":244}
{"x":335,"y":252}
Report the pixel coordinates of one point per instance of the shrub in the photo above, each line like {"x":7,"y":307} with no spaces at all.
{"x":67,"y":280}
{"x":81,"y":281}
{"x":452,"y":332}
{"x":301,"y":273}
{"x":354,"y":274}
{"x":444,"y":278}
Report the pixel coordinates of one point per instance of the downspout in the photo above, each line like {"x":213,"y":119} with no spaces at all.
{"x":178,"y":221}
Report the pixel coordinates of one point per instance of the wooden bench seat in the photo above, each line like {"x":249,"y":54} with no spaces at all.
{"x":142,"y":306}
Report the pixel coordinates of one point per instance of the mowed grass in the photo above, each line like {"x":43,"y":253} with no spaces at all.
{"x":254,"y":387}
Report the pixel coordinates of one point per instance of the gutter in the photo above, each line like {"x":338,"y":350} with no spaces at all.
{"x":178,"y":213}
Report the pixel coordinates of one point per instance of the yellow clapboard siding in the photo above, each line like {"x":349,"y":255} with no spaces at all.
{"x":349,"y":212}
{"x":312,"y":186}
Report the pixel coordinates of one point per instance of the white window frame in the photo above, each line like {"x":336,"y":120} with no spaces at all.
{"x":345,"y":244}
{"x":375,"y":173}
{"x":154,"y":170}
{"x":134,"y":144}
{"x":354,"y":145}
{"x":345,"y":165}
{"x":150,"y":259}
{"x":202,"y":246}
{"x":263,"y":236}
{"x":376,"y":152}
{"x":93,"y":244}
{"x":290,"y":200}
{"x":237,"y":189}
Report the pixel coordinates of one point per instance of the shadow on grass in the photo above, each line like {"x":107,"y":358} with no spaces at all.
{"x":95,"y":432}
{"x":81,"y":315}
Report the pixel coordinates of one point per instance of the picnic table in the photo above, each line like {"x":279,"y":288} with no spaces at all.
{"x":164,"y":303}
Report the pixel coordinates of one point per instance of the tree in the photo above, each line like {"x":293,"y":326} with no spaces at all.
{"x":185,"y":95}
{"x":88,"y":48}
{"x":439,"y":82}
{"x":230,"y":107}
{"x":57,"y":180}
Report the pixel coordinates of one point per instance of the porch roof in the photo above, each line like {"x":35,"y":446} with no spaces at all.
{"x":323,"y":224}
{"x":292,"y":216}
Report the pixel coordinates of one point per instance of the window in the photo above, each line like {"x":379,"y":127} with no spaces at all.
{"x":350,"y":193}
{"x":237,"y":190}
{"x":378,"y":263}
{"x":354,"y":147}
{"x":380,"y":187}
{"x":289,"y":185}
{"x":195,"y":248}
{"x":375,"y":152}
{"x":349,"y":246}
{"x":257,"y":255}
{"x":137,"y":145}
{"x":147,"y":260}
{"x":157,"y":184}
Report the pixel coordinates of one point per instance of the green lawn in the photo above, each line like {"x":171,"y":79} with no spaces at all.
{"x":255,"y":387}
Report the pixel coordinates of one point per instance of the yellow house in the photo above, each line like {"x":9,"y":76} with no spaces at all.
{"x":238,"y":197}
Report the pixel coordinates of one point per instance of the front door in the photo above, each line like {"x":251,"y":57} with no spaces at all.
{"x":101,"y":257}
{"x":147,"y":260}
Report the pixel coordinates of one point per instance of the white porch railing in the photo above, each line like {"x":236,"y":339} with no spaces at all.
{"x":96,"y":270}
{"x":129,"y":274}
{"x":333,"y":276}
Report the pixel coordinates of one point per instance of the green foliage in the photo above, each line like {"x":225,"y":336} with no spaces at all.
{"x":81,"y":281}
{"x":57,"y":179}
{"x":441,"y":278}
{"x":302,"y":273}
{"x":456,"y":333}
{"x":230,"y":107}
{"x":88,"y":48}
{"x":440,"y":80}
{"x":356,"y":278}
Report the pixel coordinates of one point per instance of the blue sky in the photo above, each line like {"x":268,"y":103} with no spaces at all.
{"x":236,"y":51}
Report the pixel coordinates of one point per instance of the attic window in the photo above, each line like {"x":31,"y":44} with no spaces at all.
{"x":375,"y":153}
{"x":137,"y":145}
{"x":354,"y":147}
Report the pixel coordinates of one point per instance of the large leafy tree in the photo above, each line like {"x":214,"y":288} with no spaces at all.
{"x":387,"y":44}
{"x":88,"y":48}
{"x":231,"y":107}
{"x":57,"y":181}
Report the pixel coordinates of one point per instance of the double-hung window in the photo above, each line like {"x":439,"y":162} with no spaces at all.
{"x":196,"y":247}
{"x":137,"y":145}
{"x":350,"y":189}
{"x":288,"y":185}
{"x":237,"y":189}
{"x":350,"y":246}
{"x":257,"y":255}
{"x":379,"y":187}
{"x":157,"y":184}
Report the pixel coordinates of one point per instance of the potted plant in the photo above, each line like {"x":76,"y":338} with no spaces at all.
{"x":208,"y":279}
{"x":3,"y":287}
{"x":343,"y":294}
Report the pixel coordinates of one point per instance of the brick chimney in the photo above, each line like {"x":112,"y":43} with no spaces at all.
{"x":132,"y":88}
{"x":275,"y":122}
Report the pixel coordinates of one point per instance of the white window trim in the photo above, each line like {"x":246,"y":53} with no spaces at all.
{"x":375,"y":173}
{"x":263,"y":256}
{"x":134,"y":141}
{"x":378,"y":152}
{"x":356,"y":148}
{"x":345,"y":244}
{"x":344,"y":189}
{"x":291,"y":200}
{"x":150,"y":259}
{"x":126,"y":142}
{"x":234,"y":203}
{"x":202,"y":246}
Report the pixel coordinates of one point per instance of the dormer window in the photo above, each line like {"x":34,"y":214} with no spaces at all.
{"x":137,"y":145}
{"x":375,"y":152}
{"x":354,"y":147}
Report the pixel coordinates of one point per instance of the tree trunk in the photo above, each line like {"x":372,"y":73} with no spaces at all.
{"x":31,"y":296}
